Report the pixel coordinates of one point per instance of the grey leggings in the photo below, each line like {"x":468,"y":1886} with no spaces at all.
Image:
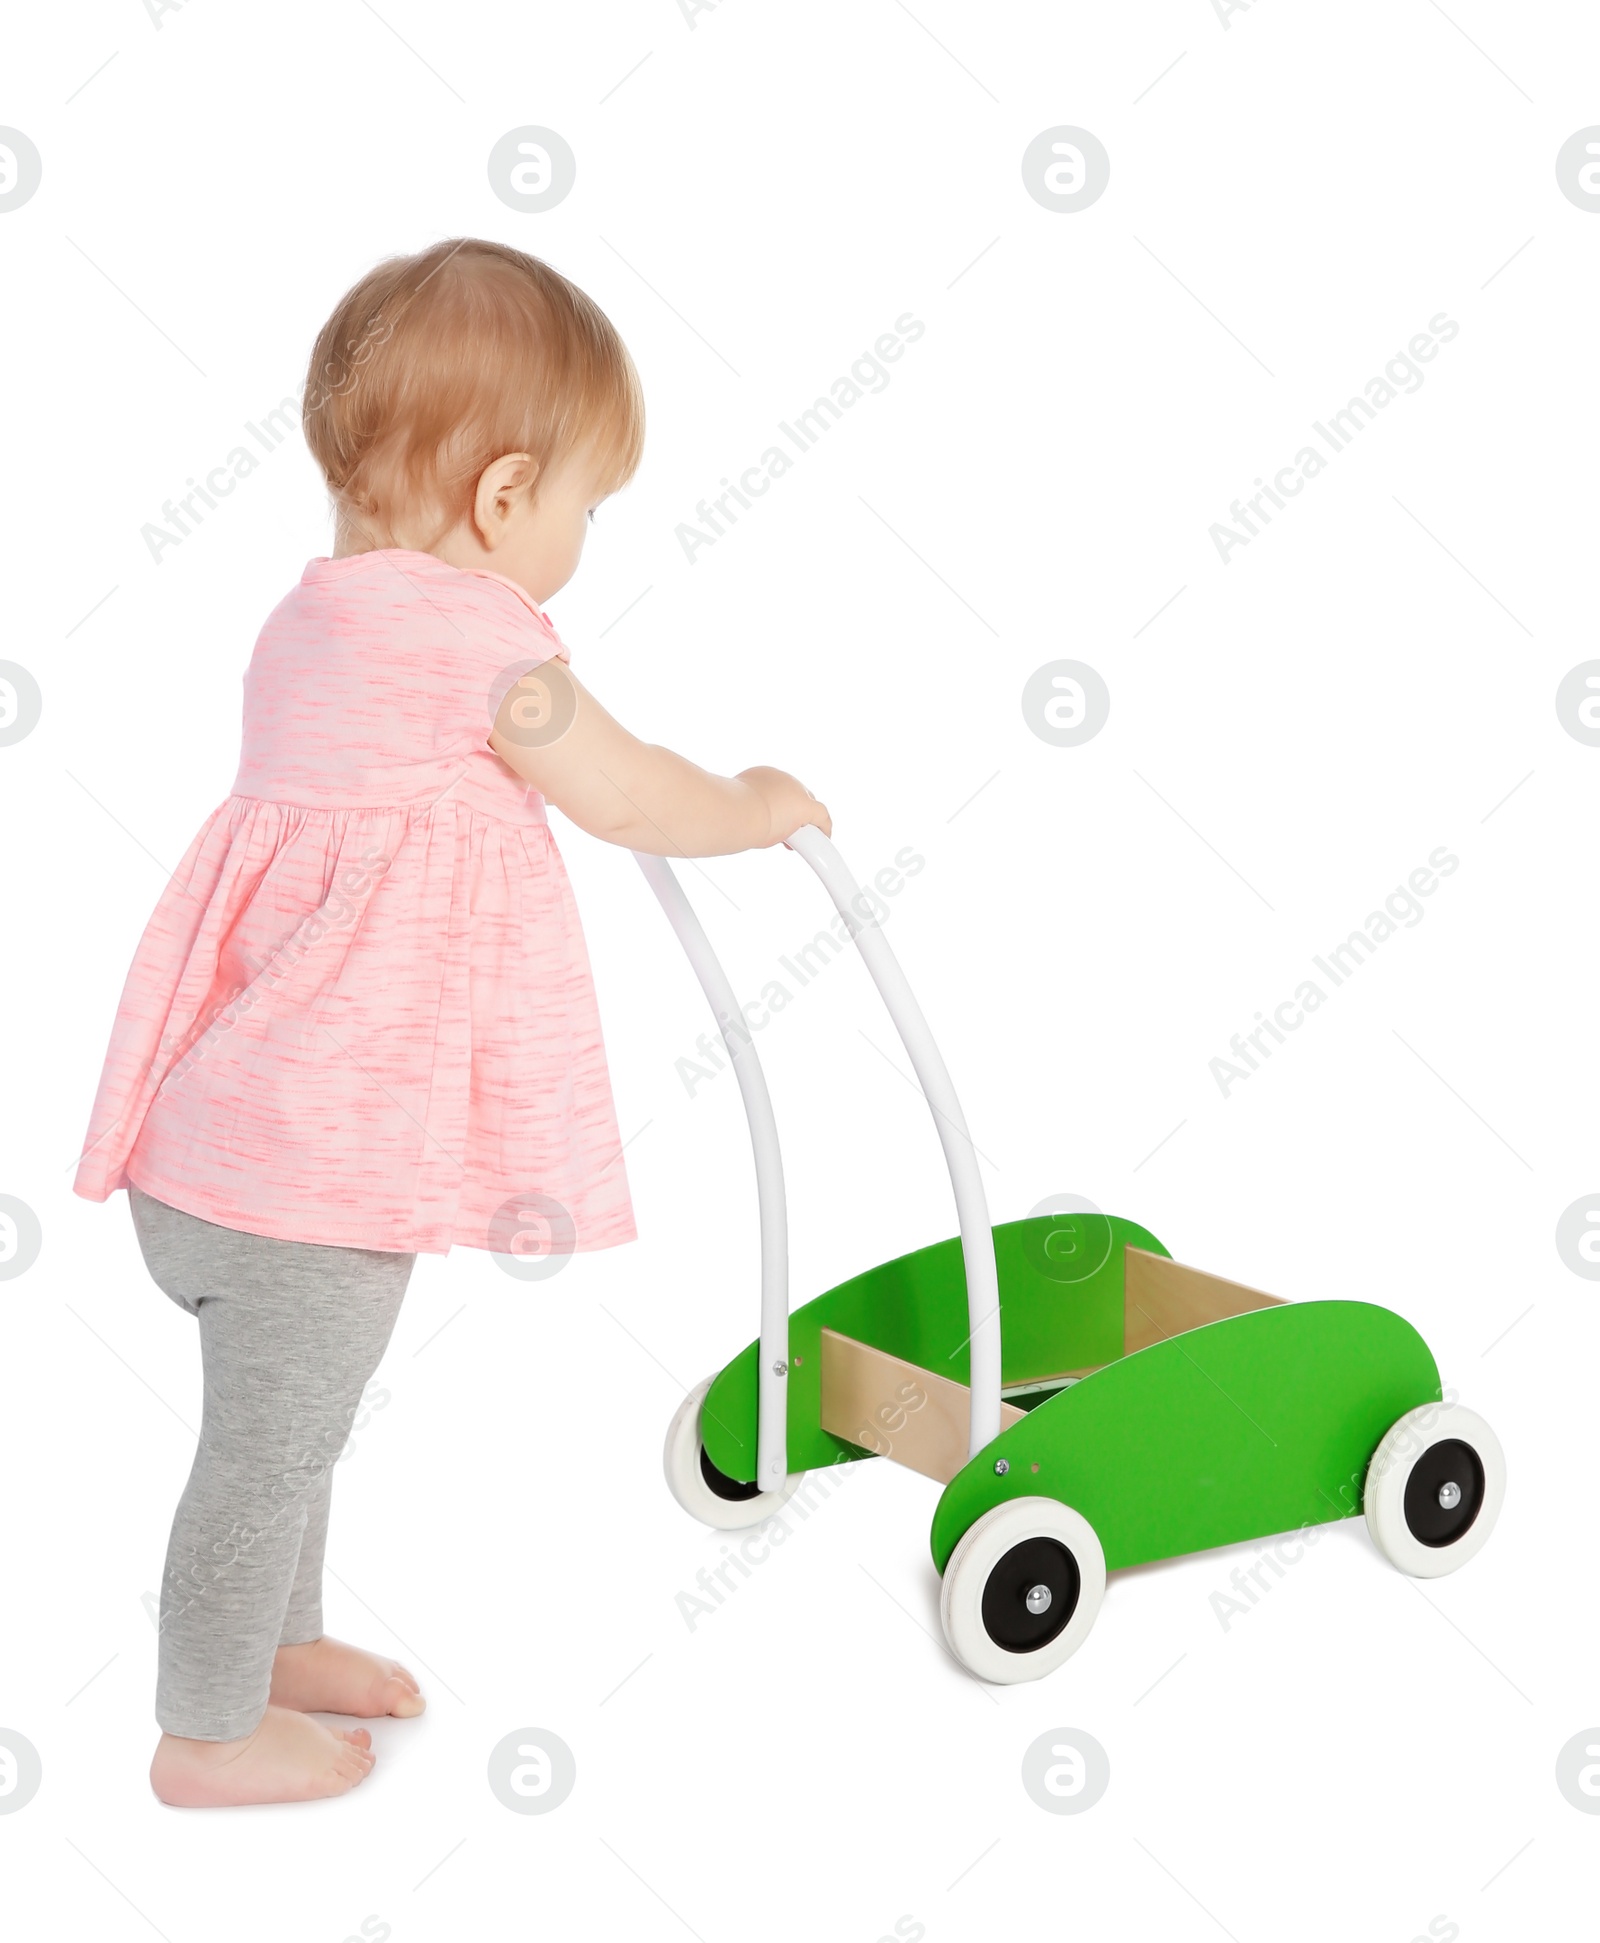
{"x":290,"y":1334}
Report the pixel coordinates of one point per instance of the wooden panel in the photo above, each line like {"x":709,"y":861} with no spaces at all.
{"x":1162,"y":1298}
{"x":897,"y":1409}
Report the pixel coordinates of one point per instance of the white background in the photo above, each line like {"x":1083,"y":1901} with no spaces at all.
{"x":759,"y":195}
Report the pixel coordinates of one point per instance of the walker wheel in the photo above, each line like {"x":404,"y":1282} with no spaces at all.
{"x":1022,"y":1589}
{"x":705,"y":1492}
{"x":1434,"y":1489}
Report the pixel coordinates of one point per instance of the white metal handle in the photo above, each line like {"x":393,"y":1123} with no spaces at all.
{"x":972,"y":1205}
{"x":772,"y":1392}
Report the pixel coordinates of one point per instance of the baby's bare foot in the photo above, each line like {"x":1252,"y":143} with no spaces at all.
{"x":287,"y":1758}
{"x":325,"y":1676}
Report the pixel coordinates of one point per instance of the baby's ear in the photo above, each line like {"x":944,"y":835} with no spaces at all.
{"x":501,"y":485}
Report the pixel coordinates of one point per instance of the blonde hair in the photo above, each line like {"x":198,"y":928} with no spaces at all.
{"x":436,"y":364}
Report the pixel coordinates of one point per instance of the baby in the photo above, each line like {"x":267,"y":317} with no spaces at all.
{"x":361,"y":1022}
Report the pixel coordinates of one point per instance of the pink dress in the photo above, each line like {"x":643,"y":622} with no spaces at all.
{"x":362,"y":1012}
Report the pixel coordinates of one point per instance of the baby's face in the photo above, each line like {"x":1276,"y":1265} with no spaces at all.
{"x":542,"y":541}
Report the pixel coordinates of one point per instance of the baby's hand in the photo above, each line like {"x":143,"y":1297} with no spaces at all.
{"x":790,"y":805}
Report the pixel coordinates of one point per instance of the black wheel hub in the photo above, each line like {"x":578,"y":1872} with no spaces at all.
{"x":725,"y":1486}
{"x":1451,"y":1470}
{"x":1038,"y":1566}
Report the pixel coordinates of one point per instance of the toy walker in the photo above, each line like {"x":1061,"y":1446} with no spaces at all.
{"x":1131,"y":1408}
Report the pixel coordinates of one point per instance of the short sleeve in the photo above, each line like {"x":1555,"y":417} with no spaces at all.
{"x":517,"y":635}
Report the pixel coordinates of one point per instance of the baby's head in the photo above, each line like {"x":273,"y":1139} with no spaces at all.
{"x":470,"y":402}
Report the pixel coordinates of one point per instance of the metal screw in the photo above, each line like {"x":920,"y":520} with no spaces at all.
{"x":1001,"y":1466}
{"x":1038,"y":1599}
{"x":780,"y":1368}
{"x":1449,"y":1496}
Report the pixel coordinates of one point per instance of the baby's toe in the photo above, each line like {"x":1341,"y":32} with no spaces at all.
{"x":405,"y":1702}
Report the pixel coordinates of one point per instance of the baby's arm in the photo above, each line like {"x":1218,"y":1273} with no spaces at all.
{"x":636,"y":793}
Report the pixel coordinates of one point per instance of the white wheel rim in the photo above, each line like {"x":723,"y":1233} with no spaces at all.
{"x":686,"y":1481}
{"x":981,"y":1548}
{"x":1397,"y":1456}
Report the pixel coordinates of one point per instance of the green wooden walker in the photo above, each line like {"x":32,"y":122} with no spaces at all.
{"x":1130,"y":1409}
